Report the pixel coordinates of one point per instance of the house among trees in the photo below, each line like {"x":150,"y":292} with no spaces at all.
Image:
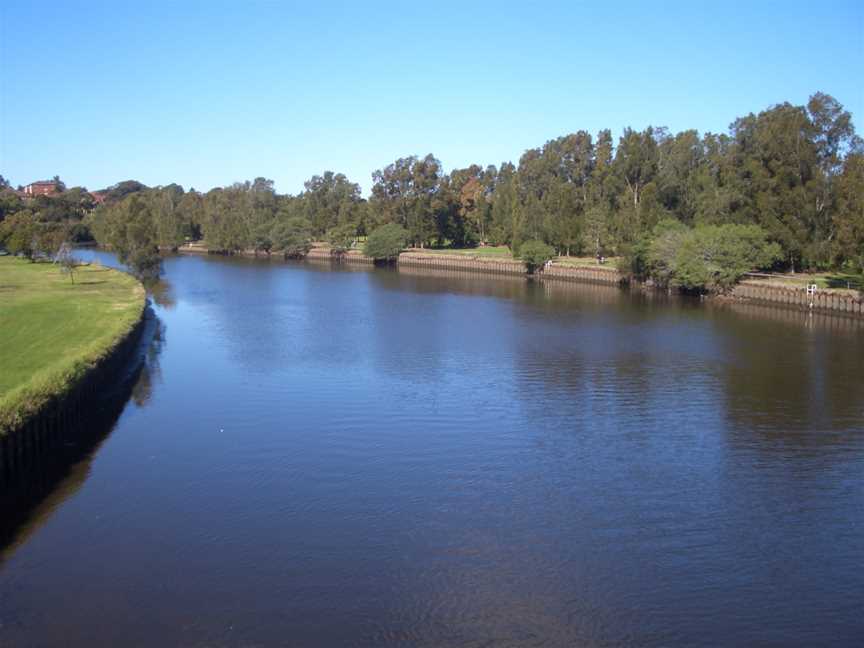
{"x":41,"y":188}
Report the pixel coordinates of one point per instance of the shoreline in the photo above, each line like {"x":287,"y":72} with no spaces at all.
{"x":755,"y":291}
{"x":40,"y":416}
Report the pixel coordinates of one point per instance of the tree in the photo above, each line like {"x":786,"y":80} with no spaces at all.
{"x":330,"y":200}
{"x":386,"y":242}
{"x":67,"y":262}
{"x":715,"y":257}
{"x":775,"y":162}
{"x":792,"y":170}
{"x":661,"y":255}
{"x":18,"y":234}
{"x":10,"y":203}
{"x":849,"y":214}
{"x":535,"y":254}
{"x":128,"y":229}
{"x":167,"y":218}
{"x":262,"y":238}
{"x":120,"y":190}
{"x":293,"y":237}
{"x":636,"y":163}
{"x":341,"y":238}
{"x":596,"y":232}
{"x":505,"y":206}
{"x":403,"y":193}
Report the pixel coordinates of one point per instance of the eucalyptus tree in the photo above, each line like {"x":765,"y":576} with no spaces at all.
{"x":386,"y":242}
{"x":342,"y":238}
{"x":848,"y":214}
{"x":775,"y":162}
{"x":330,"y":200}
{"x":292,"y":236}
{"x":505,"y":213}
{"x":403,"y":193}
{"x":635,"y":164}
{"x":128,"y":228}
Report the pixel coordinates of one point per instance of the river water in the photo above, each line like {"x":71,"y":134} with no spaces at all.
{"x":356,"y":457}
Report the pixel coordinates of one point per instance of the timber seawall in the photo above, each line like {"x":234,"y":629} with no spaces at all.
{"x":751,"y":291}
{"x":74,"y":416}
{"x":465,"y":263}
{"x":823,"y":300}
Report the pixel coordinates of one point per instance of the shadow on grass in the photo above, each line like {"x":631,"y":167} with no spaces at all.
{"x":848,"y":281}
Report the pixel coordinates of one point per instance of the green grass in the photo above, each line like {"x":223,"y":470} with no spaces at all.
{"x":501,"y":251}
{"x":585,"y":262}
{"x":53,"y":331}
{"x":832,"y":280}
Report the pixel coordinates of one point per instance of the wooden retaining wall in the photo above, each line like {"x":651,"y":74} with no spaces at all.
{"x":461,"y":263}
{"x":752,"y":290}
{"x":590,"y":274}
{"x":23,"y":447}
{"x":823,"y":300}
{"x":465,"y":263}
{"x":352,"y":256}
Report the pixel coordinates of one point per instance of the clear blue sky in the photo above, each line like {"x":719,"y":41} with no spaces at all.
{"x":211,"y":93}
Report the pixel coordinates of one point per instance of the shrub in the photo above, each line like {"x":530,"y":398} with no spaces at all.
{"x":341,"y":238}
{"x":292,"y":236}
{"x":535,"y":254}
{"x":660,"y":253}
{"x":715,"y":257}
{"x":386,"y":242}
{"x":709,"y":257}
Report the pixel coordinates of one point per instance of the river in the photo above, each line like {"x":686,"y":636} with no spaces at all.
{"x":355,"y":457}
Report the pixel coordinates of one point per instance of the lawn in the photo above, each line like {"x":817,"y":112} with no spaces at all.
{"x":503,"y":252}
{"x":496,"y":251}
{"x":52,"y":330}
{"x":610,"y":263}
{"x":832,"y":280}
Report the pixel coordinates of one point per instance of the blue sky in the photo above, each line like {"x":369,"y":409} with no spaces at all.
{"x":206,"y":94}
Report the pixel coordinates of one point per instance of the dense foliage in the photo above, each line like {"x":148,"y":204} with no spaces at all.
{"x":386,"y":242}
{"x":707,"y":257}
{"x":535,"y":254}
{"x":133,"y":232}
{"x":795,"y":172}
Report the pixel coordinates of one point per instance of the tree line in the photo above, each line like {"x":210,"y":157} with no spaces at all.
{"x":784,"y":189}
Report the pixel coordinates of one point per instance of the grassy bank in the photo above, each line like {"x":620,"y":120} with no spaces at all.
{"x":53,"y":331}
{"x":843,"y":282}
{"x":502,"y":252}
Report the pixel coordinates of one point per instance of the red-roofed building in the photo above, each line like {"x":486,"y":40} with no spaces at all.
{"x":40,"y":188}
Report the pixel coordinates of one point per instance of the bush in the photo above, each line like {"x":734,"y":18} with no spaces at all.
{"x":709,"y":257}
{"x":18,"y":234}
{"x":386,"y":242}
{"x":535,"y":254}
{"x":341,"y":238}
{"x":660,"y":254}
{"x":80,"y":233}
{"x":292,"y":236}
{"x":715,"y":257}
{"x":262,"y":241}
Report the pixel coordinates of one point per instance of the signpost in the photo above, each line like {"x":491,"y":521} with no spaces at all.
{"x":811,"y":291}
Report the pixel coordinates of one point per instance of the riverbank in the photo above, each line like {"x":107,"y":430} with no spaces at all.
{"x":565,"y":269}
{"x":757,"y":289}
{"x":56,"y":333}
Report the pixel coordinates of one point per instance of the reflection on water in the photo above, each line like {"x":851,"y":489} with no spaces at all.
{"x":354,"y":456}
